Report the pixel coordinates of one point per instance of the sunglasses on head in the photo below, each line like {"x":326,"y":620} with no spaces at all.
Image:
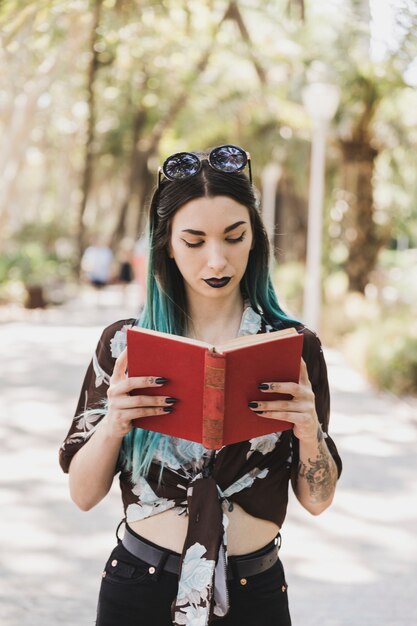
{"x":226,"y":159}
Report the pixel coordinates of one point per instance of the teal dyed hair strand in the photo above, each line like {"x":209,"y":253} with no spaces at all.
{"x":165,"y":309}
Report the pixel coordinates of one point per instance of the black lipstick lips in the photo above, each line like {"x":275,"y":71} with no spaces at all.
{"x":217,"y":282}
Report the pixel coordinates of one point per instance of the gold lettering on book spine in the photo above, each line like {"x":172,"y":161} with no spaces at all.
{"x":213,"y":401}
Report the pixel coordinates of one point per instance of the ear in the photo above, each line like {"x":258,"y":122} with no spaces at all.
{"x":170,"y":251}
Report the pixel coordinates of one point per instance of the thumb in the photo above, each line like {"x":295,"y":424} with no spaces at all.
{"x":119,"y":371}
{"x":304,"y":379}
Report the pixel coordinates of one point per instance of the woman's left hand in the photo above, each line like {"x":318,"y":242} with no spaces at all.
{"x":300,"y":409}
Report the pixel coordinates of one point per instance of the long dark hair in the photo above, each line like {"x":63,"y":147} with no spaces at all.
{"x":166,"y":306}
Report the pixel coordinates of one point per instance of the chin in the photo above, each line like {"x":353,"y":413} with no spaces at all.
{"x":228,"y":290}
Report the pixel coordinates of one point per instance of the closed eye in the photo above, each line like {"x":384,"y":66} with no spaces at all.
{"x":229,"y":240}
{"x":237,"y":239}
{"x":193,"y":245}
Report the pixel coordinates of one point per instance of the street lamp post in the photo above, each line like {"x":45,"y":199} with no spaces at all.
{"x":270,"y":179}
{"x":320,"y":101}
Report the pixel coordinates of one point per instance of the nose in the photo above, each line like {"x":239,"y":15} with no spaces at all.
{"x":216,"y":258}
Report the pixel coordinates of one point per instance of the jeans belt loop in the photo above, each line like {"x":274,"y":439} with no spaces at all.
{"x":161,"y":565}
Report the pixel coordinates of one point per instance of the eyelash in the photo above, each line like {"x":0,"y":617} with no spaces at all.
{"x":200,"y":243}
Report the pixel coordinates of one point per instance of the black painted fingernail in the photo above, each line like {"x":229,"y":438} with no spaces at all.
{"x":253,"y":405}
{"x":168,"y":409}
{"x":263,"y":386}
{"x":170,"y":400}
{"x":161,"y":380}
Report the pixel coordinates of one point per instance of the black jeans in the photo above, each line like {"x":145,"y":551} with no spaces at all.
{"x":131,"y":596}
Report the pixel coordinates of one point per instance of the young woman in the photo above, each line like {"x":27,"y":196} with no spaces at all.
{"x":202,"y":527}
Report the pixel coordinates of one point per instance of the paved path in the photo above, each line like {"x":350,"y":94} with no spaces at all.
{"x":354,"y":565}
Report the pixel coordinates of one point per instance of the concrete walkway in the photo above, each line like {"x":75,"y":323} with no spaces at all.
{"x":354,"y":565}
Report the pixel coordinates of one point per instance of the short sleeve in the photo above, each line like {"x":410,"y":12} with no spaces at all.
{"x":317,"y":373}
{"x":92,"y":403}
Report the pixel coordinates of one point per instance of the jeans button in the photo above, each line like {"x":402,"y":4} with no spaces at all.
{"x":114,"y":562}
{"x":151,"y":570}
{"x":243,"y":581}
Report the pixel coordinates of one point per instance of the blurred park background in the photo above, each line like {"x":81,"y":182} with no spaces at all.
{"x":93,"y":94}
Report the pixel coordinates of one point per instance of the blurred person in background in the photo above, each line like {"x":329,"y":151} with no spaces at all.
{"x":202,"y":527}
{"x":97,"y":264}
{"x":140,"y":264}
{"x":125,"y":271}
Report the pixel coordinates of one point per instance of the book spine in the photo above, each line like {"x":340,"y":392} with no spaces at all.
{"x":213,"y":400}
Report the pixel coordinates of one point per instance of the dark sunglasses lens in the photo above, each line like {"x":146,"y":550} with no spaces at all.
{"x":181,"y":165}
{"x":228,"y":159}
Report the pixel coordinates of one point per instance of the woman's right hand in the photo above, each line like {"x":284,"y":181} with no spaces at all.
{"x":123,"y":408}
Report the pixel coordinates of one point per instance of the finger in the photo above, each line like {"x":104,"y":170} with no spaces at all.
{"x":273,"y":387}
{"x":281,"y":416}
{"x":131,"y":402}
{"x":120,"y":366}
{"x":304,"y":379}
{"x":139,"y":382}
{"x":301,"y":420}
{"x":277,"y":405}
{"x":127,"y":415}
{"x":149,"y":411}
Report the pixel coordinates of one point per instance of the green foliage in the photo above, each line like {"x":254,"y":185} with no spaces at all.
{"x":37,"y":254}
{"x":288,"y":282}
{"x":378,"y":332}
{"x":390,"y":354}
{"x":379,"y":340}
{"x":32,"y":264}
{"x":249,"y":92}
{"x":29,"y":264}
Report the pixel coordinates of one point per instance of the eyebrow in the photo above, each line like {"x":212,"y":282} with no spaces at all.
{"x":226,"y":230}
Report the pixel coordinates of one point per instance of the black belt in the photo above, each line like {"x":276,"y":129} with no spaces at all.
{"x":238,"y":566}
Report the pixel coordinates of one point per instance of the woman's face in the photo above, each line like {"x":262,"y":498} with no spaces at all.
{"x":210,"y":241}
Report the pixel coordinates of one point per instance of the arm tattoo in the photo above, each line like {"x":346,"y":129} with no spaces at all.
{"x":319,"y":474}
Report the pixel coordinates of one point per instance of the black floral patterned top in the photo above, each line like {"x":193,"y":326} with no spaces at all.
{"x":199,"y":482}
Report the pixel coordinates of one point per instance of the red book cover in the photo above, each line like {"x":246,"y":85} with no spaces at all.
{"x":213,"y":385}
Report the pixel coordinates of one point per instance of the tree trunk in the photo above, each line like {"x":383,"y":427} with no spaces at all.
{"x":291,"y":223}
{"x":233,"y":13}
{"x":140,"y":179}
{"x":87,"y":174}
{"x":297,"y":7}
{"x":134,"y":171}
{"x":360,"y":233}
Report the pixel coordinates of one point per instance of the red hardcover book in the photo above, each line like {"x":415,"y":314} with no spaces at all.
{"x":213,"y":384}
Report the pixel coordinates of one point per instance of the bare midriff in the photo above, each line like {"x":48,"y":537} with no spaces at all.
{"x":245,"y":532}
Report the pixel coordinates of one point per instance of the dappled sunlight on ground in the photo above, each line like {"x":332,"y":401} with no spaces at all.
{"x":364,"y":547}
{"x":354,"y":564}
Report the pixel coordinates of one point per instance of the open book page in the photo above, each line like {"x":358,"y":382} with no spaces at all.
{"x":157,"y":333}
{"x":233,"y":344}
{"x":249,"y":340}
